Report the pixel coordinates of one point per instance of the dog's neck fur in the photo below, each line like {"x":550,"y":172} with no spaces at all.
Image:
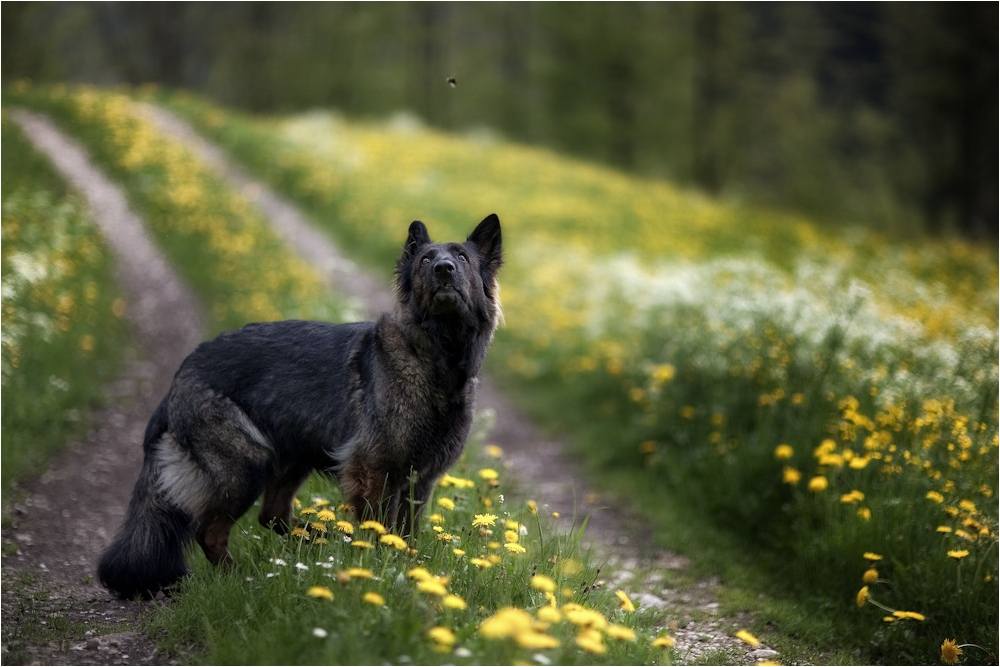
{"x":456,"y":344}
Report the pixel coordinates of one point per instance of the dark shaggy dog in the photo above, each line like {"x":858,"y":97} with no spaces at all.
{"x":384,"y":407}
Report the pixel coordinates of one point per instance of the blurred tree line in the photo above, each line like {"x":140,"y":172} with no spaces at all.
{"x":884,"y":114}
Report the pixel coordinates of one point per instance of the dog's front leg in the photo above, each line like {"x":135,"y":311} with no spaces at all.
{"x":213,"y":537}
{"x":276,"y":509}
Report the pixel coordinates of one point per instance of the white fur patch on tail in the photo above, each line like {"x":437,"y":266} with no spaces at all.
{"x":181,"y":480}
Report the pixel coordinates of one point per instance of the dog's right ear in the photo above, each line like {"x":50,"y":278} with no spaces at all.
{"x":417,"y":239}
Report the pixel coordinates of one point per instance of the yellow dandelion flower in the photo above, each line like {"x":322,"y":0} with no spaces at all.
{"x":484,"y":520}
{"x":419,"y":574}
{"x":493,"y":451}
{"x":393,"y":541}
{"x":533,"y":507}
{"x":362,"y":544}
{"x":511,"y":536}
{"x":664,"y":642}
{"x":507,"y":622}
{"x":326,"y":515}
{"x":862,"y":596}
{"x":620,"y":632}
{"x":458,"y":552}
{"x":514,"y":548}
{"x":790,"y":475}
{"x":453,"y":602}
{"x":935,"y":496}
{"x":818,"y":484}
{"x":481,"y":563}
{"x":748,"y":638}
{"x":626,"y":603}
{"x":950,"y":650}
{"x":374,"y":598}
{"x":308,"y":510}
{"x":868,"y":555}
{"x":533,"y":640}
{"x":783,"y":452}
{"x":373,"y":525}
{"x":663,"y":373}
{"x":299,"y":531}
{"x":864,"y":513}
{"x":549,"y":614}
{"x":852,"y":497}
{"x":958,"y":554}
{"x":870,"y":575}
{"x":587,"y":618}
{"x":944,"y":529}
{"x":345,"y":527}
{"x":489,"y":474}
{"x":860,"y":462}
{"x":909,"y":615}
{"x":436,"y":518}
{"x":358,"y":573}
{"x":432,"y":586}
{"x":321,"y":592}
{"x":446,"y":503}
{"x":442,"y":635}
{"x":591,"y":641}
{"x":543,"y":583}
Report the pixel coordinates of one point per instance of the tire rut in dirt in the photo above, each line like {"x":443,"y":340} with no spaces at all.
{"x":70,"y":512}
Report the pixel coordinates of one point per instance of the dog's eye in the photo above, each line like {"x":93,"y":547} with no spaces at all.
{"x":425,"y":260}
{"x":463,"y":257}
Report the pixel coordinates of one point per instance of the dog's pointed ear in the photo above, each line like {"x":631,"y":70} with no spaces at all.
{"x":486,"y":238}
{"x":418,"y":237}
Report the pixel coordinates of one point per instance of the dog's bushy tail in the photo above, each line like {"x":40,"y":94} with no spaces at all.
{"x":147,"y":554}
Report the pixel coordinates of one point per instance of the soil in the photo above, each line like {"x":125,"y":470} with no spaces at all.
{"x":53,"y":610}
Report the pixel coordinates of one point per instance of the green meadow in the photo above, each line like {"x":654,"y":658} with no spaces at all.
{"x":62,"y":332}
{"x":808,"y":412}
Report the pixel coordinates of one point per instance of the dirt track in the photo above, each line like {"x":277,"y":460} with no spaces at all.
{"x":71,"y":511}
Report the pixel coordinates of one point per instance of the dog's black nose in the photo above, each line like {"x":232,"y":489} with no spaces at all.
{"x":444,"y":267}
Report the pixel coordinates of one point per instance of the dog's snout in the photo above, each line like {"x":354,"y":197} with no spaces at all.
{"x":444,"y":267}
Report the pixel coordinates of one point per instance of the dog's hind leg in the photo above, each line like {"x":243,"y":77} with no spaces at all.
{"x":279,"y":494}
{"x":213,"y":538}
{"x":221,"y":462}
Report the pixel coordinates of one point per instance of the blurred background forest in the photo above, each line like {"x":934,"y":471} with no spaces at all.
{"x":870,"y":113}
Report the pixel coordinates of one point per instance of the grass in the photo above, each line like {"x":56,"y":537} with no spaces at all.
{"x":818,"y":395}
{"x":62,"y":331}
{"x":486,"y":582}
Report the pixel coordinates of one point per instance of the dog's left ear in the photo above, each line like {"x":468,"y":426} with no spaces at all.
{"x":486,"y":238}
{"x":418,"y":237}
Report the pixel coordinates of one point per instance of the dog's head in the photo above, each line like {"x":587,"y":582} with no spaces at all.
{"x":441,"y":281}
